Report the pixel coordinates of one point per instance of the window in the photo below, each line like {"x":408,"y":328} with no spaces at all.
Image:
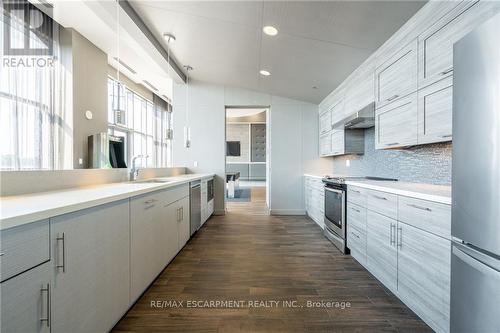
{"x":32,"y":122}
{"x":146,"y":126}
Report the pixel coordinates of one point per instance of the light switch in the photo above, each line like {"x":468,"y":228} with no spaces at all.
{"x":195,"y":164}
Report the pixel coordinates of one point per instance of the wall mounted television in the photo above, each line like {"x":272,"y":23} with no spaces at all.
{"x":233,"y":148}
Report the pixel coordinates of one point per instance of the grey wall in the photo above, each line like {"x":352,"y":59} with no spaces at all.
{"x":421,"y":164}
{"x":241,"y":133}
{"x":90,"y":72}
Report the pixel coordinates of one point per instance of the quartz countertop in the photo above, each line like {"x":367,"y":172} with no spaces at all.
{"x":430,"y":192}
{"x":26,"y":208}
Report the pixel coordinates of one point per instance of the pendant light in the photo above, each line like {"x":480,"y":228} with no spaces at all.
{"x":119,"y":111}
{"x":169,"y":38}
{"x":187,"y":128}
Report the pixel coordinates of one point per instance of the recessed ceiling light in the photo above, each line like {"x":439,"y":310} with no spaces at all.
{"x":270,"y":30}
{"x":264,"y":72}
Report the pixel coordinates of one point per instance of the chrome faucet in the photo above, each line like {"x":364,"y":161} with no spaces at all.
{"x":134,"y":171}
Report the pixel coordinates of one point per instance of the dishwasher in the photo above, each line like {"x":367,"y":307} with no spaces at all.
{"x":195,"y":206}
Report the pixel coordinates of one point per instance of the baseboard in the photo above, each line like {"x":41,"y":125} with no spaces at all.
{"x":219,"y":212}
{"x":287,"y":212}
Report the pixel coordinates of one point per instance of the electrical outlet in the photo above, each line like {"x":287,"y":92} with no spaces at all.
{"x":80,"y":161}
{"x":347,"y":163}
{"x":195,"y":164}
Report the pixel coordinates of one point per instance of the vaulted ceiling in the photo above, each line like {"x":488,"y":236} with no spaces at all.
{"x":318,"y":45}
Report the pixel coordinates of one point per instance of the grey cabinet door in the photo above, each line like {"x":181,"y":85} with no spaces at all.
{"x":170,"y":217}
{"x":258,"y":142}
{"x":436,"y":43}
{"x":325,"y":122}
{"x":381,"y":252}
{"x":325,"y":145}
{"x":424,"y":275}
{"x":183,"y":231}
{"x":147,"y":242}
{"x":435,"y":112}
{"x":25,"y":302}
{"x":338,"y":142}
{"x":396,"y":123}
{"x":397,"y":76}
{"x":360,"y":89}
{"x":90,"y":282}
{"x":337,"y":112}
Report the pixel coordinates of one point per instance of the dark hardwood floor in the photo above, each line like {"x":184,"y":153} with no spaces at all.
{"x":248,"y":256}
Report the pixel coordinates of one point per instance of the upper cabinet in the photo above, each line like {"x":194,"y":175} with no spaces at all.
{"x":325,"y":122}
{"x":359,"y":90}
{"x":397,"y":76}
{"x":436,"y":43}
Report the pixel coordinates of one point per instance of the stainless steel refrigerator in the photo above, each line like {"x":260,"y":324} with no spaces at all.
{"x":475,"y":258}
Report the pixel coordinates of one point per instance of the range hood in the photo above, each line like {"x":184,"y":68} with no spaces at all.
{"x":364,"y":118}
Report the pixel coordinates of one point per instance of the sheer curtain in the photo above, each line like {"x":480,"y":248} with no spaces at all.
{"x":34,"y":118}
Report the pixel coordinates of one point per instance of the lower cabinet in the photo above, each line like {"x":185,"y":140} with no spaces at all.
{"x":181,"y":209}
{"x":381,"y":251}
{"x":424,"y":275}
{"x":25,"y":301}
{"x":90,"y":268}
{"x":314,"y":199}
{"x":413,"y":261}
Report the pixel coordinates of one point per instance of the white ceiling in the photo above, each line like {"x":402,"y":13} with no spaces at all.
{"x":318,"y":45}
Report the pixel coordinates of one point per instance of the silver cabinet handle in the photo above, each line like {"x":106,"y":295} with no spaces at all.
{"x":2,"y":254}
{"x":46,"y":289}
{"x":379,"y":197}
{"x":449,"y":70}
{"x":420,"y":207}
{"x":391,"y":237}
{"x":150,"y":201}
{"x":356,"y":210}
{"x":63,"y":266}
{"x":400,"y":238}
{"x":352,"y":233}
{"x":392,"y":144}
{"x":447,"y":136}
{"x":355,"y":191}
{"x":392,"y":97}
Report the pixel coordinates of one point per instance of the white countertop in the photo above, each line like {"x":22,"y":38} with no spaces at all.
{"x":435,"y":193}
{"x":26,"y":208}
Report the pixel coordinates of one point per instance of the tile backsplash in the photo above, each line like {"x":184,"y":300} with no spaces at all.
{"x":421,"y":164}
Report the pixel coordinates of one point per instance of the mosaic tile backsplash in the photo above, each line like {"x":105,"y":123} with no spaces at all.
{"x":422,"y":164}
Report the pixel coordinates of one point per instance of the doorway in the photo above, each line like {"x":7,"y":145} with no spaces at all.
{"x":247,"y":159}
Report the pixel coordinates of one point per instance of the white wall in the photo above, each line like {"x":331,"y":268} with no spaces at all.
{"x":293,"y":137}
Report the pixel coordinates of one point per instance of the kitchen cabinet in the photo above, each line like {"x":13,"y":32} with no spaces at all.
{"x":25,"y":301}
{"x":90,"y":268}
{"x":315,"y":199}
{"x":381,"y":251}
{"x":337,"y":112}
{"x":436,"y":43}
{"x":147,"y":241}
{"x":397,"y":76}
{"x":424,"y":262}
{"x":360,"y":89}
{"x":204,"y":200}
{"x":338,"y":142}
{"x":325,"y":122}
{"x":325,"y":144}
{"x":396,"y":123}
{"x":181,"y":209}
{"x":356,"y":231}
{"x":435,"y":112}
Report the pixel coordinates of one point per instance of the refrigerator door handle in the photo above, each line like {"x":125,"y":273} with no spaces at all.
{"x":476,"y":259}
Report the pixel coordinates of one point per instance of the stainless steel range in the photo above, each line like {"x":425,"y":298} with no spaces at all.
{"x":335,"y":208}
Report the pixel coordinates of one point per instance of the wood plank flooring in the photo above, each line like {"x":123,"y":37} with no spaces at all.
{"x":248,"y":256}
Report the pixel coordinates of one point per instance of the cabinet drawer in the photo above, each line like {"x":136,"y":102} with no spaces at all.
{"x":24,"y":247}
{"x":426,"y":215}
{"x":435,"y":112}
{"x":356,"y":195}
{"x":171,"y":195}
{"x":382,"y":203}
{"x":396,"y":124}
{"x":356,"y":242}
{"x":397,"y":77}
{"x":356,"y":216}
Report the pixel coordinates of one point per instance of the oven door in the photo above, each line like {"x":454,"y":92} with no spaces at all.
{"x":334,"y":210}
